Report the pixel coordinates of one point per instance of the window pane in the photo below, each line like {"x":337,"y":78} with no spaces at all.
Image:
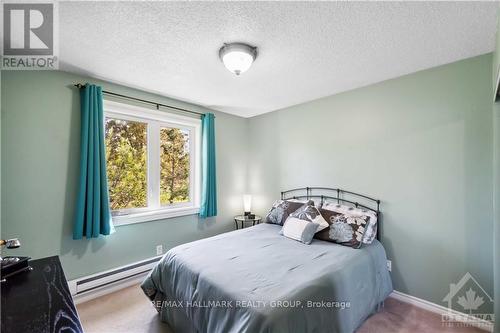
{"x":174,"y":166}
{"x":126,"y":154}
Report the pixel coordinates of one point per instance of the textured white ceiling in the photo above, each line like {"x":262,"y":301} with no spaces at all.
{"x":307,"y":50}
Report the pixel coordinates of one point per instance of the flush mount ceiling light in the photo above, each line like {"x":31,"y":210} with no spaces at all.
{"x":237,"y":57}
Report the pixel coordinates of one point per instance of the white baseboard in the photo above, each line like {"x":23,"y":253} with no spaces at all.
{"x":108,"y":289}
{"x":442,"y":310}
{"x":96,"y":285}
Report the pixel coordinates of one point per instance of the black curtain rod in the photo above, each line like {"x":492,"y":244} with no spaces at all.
{"x":80,"y":86}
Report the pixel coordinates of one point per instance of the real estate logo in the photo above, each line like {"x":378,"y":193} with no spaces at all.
{"x":29,"y":36}
{"x":468,"y":304}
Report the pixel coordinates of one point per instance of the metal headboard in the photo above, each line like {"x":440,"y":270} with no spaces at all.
{"x":335,"y":194}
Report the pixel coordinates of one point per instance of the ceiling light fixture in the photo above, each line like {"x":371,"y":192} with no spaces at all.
{"x":237,"y":57}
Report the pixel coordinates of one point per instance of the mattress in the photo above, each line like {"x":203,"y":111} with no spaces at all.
{"x":255,"y":280}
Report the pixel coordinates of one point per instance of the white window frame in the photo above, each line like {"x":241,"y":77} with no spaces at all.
{"x":156,"y":119}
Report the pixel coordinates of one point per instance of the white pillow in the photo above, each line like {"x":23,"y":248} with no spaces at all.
{"x":301,"y":230}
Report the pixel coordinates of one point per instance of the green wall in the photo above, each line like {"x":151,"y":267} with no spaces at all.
{"x":40,"y":156}
{"x":496,"y":121}
{"x":422,"y":143}
{"x":496,"y":168}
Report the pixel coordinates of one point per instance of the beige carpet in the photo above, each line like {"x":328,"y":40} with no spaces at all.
{"x":128,"y":310}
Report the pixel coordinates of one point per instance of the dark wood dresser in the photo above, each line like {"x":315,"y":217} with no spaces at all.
{"x":39,"y":300}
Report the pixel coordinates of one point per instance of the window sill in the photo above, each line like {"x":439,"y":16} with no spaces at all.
{"x":154,"y":215}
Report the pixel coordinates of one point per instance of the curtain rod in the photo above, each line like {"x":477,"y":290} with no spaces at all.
{"x":80,"y":86}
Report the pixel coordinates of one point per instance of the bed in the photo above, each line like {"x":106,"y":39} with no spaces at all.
{"x":255,"y":280}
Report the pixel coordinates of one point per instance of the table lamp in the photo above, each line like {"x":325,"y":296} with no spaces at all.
{"x":247,"y":204}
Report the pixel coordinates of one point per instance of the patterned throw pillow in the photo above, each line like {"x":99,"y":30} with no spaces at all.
{"x":344,"y":229}
{"x":310,"y":214}
{"x":371,"y":229}
{"x":329,"y":216}
{"x":302,"y":224}
{"x":282,"y":209}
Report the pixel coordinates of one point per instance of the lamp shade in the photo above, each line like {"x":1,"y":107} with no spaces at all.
{"x":247,"y":202}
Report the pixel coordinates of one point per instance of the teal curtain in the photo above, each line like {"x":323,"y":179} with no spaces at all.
{"x":209,"y":184}
{"x":93,"y":215}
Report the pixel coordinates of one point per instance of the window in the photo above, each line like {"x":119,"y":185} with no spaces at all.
{"x":126,"y":163}
{"x":174,"y":166}
{"x":152,"y":163}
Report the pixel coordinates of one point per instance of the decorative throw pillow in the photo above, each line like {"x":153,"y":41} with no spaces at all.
{"x":371,"y":229}
{"x":301,"y":230}
{"x":281,"y":209}
{"x":344,"y":229}
{"x":329,"y":216}
{"x":310,"y":214}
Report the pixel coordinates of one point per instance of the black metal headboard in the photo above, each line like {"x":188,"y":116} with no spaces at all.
{"x":335,"y":194}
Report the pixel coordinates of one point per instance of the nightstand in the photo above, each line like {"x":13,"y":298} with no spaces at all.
{"x":244,"y":219}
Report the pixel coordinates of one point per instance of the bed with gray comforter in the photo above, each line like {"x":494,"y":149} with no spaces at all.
{"x":255,"y":280}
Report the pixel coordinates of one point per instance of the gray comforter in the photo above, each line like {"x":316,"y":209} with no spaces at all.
{"x":254,"y":280}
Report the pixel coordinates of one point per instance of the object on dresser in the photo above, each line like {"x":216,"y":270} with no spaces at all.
{"x":13,"y":243}
{"x":12,"y":265}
